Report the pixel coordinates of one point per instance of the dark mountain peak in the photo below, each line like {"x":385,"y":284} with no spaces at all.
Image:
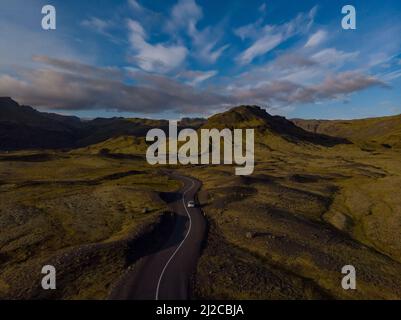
{"x":255,"y":117}
{"x":247,"y":108}
{"x":12,"y":105}
{"x":256,"y":112}
{"x":7,"y":101}
{"x":250,"y":112}
{"x":10,"y":110}
{"x":247,"y":116}
{"x":23,"y":127}
{"x":193,"y":123}
{"x":241,"y":116}
{"x":369,"y":133}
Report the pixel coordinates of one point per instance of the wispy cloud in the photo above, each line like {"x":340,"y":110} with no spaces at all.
{"x":262,"y":8}
{"x":196,"y":77}
{"x":266,"y":38}
{"x":269,"y":41}
{"x":290,"y":93}
{"x":184,"y":14}
{"x":390,"y":76}
{"x":156,"y":93}
{"x":152,"y":93}
{"x":332,"y":56}
{"x":184,"y":17}
{"x":84,"y":70}
{"x":135,"y":5}
{"x":183,"y":60}
{"x":158,"y":57}
{"x":316,"y":39}
{"x":99,"y":25}
{"x":205,"y":45}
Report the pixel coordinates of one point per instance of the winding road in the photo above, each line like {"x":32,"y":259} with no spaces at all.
{"x":166,"y":274}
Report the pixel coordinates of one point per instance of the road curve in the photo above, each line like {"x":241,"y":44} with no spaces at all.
{"x":166,"y":274}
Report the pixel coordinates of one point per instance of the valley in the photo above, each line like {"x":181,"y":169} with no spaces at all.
{"x":314,"y":203}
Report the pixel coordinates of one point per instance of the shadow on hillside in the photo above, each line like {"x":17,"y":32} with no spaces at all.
{"x":40,"y":157}
{"x":293,"y":133}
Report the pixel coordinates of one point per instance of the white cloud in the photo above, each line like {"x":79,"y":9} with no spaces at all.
{"x":152,"y":93}
{"x":332,"y":56}
{"x":83,"y":69}
{"x":378,"y":58}
{"x":97,"y":24}
{"x":184,"y":17}
{"x":138,"y":32}
{"x":205,"y":45}
{"x":390,"y":76}
{"x":305,"y":72}
{"x":284,"y":93}
{"x":249,"y":31}
{"x":184,"y":14}
{"x":102,"y":27}
{"x":135,"y":5}
{"x":156,"y":93}
{"x":262,"y":8}
{"x":159,"y":57}
{"x":196,"y":77}
{"x":316,"y":39}
{"x":263,"y":45}
{"x":269,"y":37}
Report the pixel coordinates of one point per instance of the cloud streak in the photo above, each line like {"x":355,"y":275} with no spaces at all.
{"x":287,"y":93}
{"x":266,"y":38}
{"x":184,"y":18}
{"x":98,"y":25}
{"x":154,"y":94}
{"x":158,"y":57}
{"x":86,"y":87}
{"x":181,"y":61}
{"x":197,"y":77}
{"x":316,"y":39}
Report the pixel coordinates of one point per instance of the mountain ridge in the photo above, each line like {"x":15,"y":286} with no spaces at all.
{"x":258,"y":118}
{"x":369,"y":132}
{"x":23,"y":127}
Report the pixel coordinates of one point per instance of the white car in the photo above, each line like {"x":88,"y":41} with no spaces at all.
{"x":191,"y":204}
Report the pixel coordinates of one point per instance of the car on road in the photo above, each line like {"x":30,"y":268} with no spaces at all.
{"x":191,"y":204}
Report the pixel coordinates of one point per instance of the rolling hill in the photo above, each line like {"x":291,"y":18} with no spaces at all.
{"x":266,"y":124}
{"x":313,"y":204}
{"x":372,"y":132}
{"x":23,"y":127}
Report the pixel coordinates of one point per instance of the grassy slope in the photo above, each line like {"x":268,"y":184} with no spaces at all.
{"x":50,"y":209}
{"x":292,"y":199}
{"x":311,"y":214}
{"x":370,"y":132}
{"x":314,"y":210}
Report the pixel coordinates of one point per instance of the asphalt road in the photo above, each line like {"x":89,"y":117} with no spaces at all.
{"x":166,"y":274}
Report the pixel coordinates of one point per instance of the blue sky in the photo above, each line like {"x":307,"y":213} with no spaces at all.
{"x":174,"y":58}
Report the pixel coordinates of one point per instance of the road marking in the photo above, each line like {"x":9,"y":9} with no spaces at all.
{"x":179,"y":247}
